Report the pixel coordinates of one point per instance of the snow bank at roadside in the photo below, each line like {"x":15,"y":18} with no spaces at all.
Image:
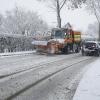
{"x":89,"y":87}
{"x":16,"y":53}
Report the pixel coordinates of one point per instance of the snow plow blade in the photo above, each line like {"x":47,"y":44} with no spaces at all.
{"x":40,"y":46}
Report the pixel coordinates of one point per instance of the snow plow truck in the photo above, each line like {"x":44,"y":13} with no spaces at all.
{"x":62,"y":40}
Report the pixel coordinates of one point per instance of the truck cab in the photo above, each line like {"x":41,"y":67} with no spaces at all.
{"x":66,"y":40}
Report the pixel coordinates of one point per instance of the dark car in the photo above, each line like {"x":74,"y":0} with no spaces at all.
{"x":91,"y":48}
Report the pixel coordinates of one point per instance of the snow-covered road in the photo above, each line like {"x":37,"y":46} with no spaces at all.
{"x":20,"y":76}
{"x":15,"y":64}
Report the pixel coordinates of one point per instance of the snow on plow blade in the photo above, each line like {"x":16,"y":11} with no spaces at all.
{"x":45,"y":47}
{"x":41,"y":46}
{"x":43,"y":43}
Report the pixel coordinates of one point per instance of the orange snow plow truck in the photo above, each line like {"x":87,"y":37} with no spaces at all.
{"x":62,"y":40}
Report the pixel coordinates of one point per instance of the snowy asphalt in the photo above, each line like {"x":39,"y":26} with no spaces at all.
{"x":41,"y":77}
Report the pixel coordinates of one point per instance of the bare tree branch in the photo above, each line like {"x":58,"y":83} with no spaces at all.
{"x":95,"y":11}
{"x":63,"y":3}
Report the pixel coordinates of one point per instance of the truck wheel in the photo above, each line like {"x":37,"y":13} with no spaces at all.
{"x":65,"y":50}
{"x":77,"y":50}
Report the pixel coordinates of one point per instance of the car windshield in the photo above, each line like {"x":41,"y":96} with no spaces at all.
{"x":89,"y":44}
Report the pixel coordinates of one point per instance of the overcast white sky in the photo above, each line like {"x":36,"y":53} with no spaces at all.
{"x":78,"y":18}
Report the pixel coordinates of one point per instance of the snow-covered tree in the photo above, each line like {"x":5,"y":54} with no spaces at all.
{"x":0,"y":19}
{"x":1,"y":22}
{"x":93,"y":30}
{"x":19,"y":21}
{"x":24,"y":24}
{"x":94,"y":7}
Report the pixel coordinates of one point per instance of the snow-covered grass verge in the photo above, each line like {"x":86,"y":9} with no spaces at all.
{"x":17,"y":53}
{"x":89,"y":87}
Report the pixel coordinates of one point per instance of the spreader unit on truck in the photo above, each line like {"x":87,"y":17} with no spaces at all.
{"x":62,"y":40}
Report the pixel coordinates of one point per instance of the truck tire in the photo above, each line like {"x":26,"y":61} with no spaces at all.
{"x":77,"y":50}
{"x":65,"y":50}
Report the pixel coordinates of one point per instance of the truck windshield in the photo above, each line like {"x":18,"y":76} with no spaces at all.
{"x":58,"y":34}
